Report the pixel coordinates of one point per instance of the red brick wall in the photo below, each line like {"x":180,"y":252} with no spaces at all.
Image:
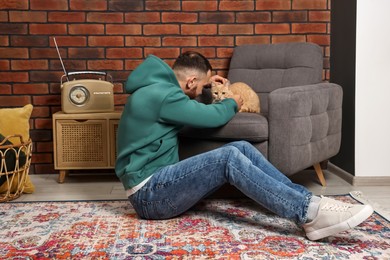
{"x":116,"y":35}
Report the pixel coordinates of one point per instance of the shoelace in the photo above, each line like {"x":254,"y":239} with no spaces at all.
{"x":336,"y":207}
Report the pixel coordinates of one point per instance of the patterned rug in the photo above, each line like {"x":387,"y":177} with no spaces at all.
{"x":214,"y":229}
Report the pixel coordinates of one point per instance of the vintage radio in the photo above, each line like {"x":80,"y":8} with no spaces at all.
{"x":87,"y":95}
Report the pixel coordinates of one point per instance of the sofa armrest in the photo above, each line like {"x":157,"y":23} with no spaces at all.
{"x":304,"y":125}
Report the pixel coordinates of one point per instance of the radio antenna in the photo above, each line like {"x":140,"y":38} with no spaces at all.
{"x":59,"y":55}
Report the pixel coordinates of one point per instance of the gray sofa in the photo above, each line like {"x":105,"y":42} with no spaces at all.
{"x":300,"y":121}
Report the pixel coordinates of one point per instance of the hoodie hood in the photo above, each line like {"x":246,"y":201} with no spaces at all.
{"x":152,"y":71}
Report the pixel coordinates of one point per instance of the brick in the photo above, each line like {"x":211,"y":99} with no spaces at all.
{"x":179,"y":17}
{"x":125,"y":5}
{"x":41,"y":112}
{"x":46,"y":77}
{"x":55,"y":88}
{"x":308,"y":28}
{"x":216,"y":41}
{"x":142,"y":17}
{"x":288,"y":38}
{"x":14,"y":101}
{"x":33,"y":89}
{"x":219,"y":63}
{"x":163,"y":52}
{"x":273,"y":5}
{"x":199,"y":29}
{"x":319,"y":16}
{"x":282,"y":28}
{"x":121,"y":99}
{"x":253,"y":17}
{"x":86,"y":53}
{"x":142,"y":41}
{"x":207,"y":52}
{"x":70,"y":65}
{"x":13,"y":53}
{"x":161,"y":29}
{"x":121,"y":29}
{"x":179,"y":41}
{"x":234,"y":29}
{"x":3,"y":16}
{"x":119,"y":76}
{"x":43,"y":168}
{"x":123,"y":53}
{"x":41,"y":157}
{"x":46,"y":100}
{"x":29,"y":41}
{"x":162,"y":5}
{"x":211,"y":5}
{"x":67,"y":17}
{"x":290,"y":16}
{"x":49,"y":4}
{"x":319,"y":39}
{"x":86,"y":29}
{"x":39,"y":53}
{"x":216,"y":17}
{"x":14,"y":76}
{"x":28,"y":16}
{"x":41,"y":135}
{"x":4,"y":41}
{"x":309,"y":4}
{"x":44,"y":146}
{"x":48,"y":29}
{"x":224,"y":52}
{"x":236,"y":5}
{"x":106,"y":41}
{"x":12,"y":28}
{"x":105,"y":65}
{"x":74,"y":41}
{"x":100,"y":5}
{"x":29,"y":64}
{"x":241,"y":40}
{"x":4,"y":65}
{"x":132,"y":64}
{"x":14,"y":4}
{"x":43,"y":123}
{"x":5,"y":89}
{"x":106,"y":17}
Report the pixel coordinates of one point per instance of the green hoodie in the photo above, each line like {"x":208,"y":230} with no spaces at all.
{"x":154,"y":113}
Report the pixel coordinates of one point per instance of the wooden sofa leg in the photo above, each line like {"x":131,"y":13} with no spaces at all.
{"x":320,"y":174}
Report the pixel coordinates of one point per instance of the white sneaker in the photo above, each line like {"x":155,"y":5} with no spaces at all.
{"x":334,"y":217}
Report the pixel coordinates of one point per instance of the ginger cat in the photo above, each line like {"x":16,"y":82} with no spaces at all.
{"x":251,"y":100}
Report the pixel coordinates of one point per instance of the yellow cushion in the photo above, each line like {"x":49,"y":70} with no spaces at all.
{"x":16,"y":121}
{"x":28,"y":185}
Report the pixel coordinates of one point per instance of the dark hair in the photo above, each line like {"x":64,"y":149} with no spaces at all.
{"x":192,"y":60}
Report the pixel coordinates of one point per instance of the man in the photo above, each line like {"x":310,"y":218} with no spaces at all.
{"x":159,"y":186}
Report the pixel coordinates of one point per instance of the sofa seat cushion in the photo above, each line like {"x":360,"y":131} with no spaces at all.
{"x":251,"y":127}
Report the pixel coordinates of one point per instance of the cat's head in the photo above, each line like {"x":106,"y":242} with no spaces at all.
{"x":220,"y":91}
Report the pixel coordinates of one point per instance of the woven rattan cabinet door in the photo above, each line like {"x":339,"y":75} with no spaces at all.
{"x":81,"y":144}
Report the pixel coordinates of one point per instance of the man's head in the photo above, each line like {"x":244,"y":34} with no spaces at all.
{"x":193,"y":71}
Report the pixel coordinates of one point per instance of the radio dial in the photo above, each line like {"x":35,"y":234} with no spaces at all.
{"x":79,"y":95}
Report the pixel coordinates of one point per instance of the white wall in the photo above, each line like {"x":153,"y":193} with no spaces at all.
{"x":372,"y":136}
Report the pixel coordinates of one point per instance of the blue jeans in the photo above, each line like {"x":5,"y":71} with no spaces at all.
{"x":174,"y":189}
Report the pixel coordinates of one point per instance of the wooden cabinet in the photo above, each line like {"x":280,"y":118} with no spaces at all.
{"x":84,"y":141}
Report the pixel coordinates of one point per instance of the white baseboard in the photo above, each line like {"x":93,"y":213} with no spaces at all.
{"x":359,"y":181}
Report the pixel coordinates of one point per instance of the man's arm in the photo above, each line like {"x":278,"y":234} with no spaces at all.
{"x":179,"y":109}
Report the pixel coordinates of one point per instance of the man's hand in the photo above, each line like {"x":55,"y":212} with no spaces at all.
{"x":239,"y":101}
{"x":217,"y":78}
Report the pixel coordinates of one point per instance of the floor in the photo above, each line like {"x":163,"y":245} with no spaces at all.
{"x":102,"y":186}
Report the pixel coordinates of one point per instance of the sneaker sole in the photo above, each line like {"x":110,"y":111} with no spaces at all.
{"x":342,"y":226}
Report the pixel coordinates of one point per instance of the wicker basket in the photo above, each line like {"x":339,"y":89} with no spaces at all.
{"x":15,"y":178}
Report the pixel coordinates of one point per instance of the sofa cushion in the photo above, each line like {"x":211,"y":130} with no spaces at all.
{"x":251,"y":127}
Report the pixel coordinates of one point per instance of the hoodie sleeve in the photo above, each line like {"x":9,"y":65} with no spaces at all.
{"x":179,"y":109}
